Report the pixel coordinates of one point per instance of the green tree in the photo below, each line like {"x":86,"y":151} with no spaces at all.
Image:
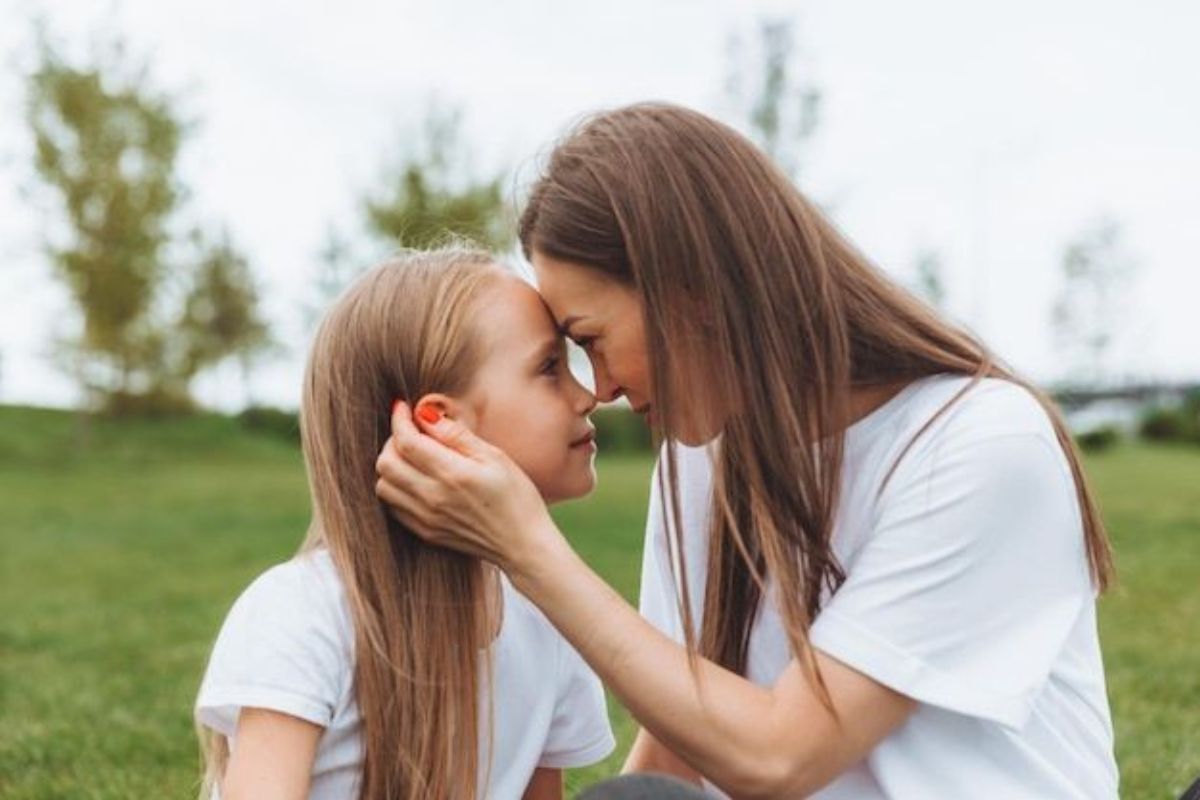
{"x":432,"y":194}
{"x":429,"y":196}
{"x":220,"y":315}
{"x":105,"y":150}
{"x":930,"y":284}
{"x":1092,"y":304}
{"x":767,"y":87}
{"x":338,"y":263}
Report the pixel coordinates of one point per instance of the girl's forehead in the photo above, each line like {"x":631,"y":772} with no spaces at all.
{"x":513,"y":310}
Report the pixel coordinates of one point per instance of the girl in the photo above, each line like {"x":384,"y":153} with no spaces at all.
{"x":872,"y":556}
{"x":372,"y":665}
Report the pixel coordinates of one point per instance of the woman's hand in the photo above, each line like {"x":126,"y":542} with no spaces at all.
{"x":455,"y":490}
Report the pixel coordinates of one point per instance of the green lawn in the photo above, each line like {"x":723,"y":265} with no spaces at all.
{"x":122,"y":547}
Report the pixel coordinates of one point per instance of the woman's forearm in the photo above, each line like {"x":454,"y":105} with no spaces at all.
{"x":713,"y":719}
{"x":650,"y":755}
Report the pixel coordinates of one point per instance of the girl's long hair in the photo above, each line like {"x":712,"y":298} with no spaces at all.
{"x":748,"y":290}
{"x":420,"y":613}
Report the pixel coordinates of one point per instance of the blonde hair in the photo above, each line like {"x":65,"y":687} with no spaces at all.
{"x":420,"y":614}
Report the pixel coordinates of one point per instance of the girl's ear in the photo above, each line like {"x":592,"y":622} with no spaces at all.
{"x":448,"y":406}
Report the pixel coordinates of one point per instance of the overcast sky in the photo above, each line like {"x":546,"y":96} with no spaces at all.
{"x":993,"y":133}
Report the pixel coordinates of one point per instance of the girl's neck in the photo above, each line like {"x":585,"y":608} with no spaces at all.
{"x":492,"y":618}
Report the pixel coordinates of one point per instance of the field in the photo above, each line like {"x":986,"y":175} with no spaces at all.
{"x":123,"y":544}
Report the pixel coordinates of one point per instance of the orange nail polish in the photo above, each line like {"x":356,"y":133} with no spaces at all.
{"x":429,"y":414}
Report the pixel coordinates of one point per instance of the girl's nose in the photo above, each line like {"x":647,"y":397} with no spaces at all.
{"x":585,"y":401}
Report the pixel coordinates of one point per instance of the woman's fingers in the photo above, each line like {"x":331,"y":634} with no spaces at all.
{"x":394,"y":469}
{"x":425,"y":453}
{"x":405,"y":508}
{"x":453,"y":434}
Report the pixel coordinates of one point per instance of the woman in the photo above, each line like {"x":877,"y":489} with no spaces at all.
{"x":872,"y":556}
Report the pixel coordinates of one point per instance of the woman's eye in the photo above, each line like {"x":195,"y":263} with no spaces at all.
{"x":550,"y":367}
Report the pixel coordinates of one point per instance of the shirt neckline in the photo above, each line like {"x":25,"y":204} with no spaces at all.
{"x":871,"y":423}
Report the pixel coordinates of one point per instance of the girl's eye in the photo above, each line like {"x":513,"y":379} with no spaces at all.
{"x":550,"y":367}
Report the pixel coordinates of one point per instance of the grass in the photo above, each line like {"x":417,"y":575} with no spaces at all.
{"x":122,"y":546}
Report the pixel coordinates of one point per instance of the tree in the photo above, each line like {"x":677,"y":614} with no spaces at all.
{"x":1091,"y":307}
{"x":220,"y":315}
{"x":337,"y":265}
{"x":929,"y":282}
{"x":106,"y":144}
{"x":779,"y":104}
{"x":432,"y":195}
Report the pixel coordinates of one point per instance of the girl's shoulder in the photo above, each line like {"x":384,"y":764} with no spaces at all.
{"x":286,"y":644}
{"x":303,"y":592}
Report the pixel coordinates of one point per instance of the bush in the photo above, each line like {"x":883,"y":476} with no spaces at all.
{"x":619,"y":430}
{"x":1099,"y":439}
{"x":1171,"y":425}
{"x":153,"y":404}
{"x":273,"y":422}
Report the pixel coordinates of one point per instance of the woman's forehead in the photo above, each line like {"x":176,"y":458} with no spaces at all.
{"x":571,"y":289}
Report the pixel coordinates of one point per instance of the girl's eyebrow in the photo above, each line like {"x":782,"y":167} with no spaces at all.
{"x":544,"y":350}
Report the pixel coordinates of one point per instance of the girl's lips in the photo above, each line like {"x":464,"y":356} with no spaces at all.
{"x":587,"y":438}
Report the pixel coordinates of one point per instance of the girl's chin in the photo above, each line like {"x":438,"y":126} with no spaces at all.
{"x":571,"y":489}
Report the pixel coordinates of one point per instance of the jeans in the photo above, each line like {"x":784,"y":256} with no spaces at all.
{"x":642,"y":787}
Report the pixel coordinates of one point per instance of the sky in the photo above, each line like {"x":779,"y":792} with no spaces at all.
{"x":992,"y":133}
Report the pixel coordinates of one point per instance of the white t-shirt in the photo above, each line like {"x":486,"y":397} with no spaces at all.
{"x":967,"y":590}
{"x":287,"y":645}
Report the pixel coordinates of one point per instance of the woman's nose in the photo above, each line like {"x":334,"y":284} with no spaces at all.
{"x":606,"y":389}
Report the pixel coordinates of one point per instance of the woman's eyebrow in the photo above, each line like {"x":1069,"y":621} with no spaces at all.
{"x":564,"y":328}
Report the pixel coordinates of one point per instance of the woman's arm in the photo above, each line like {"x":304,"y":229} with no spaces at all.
{"x":546,"y":784}
{"x":649,"y":755}
{"x":748,"y":740}
{"x":272,"y":758}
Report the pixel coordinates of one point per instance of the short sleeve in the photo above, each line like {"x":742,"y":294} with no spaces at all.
{"x":975,"y":572}
{"x":280,"y":648}
{"x":657,"y":601}
{"x":580,"y":733}
{"x":659,"y":596}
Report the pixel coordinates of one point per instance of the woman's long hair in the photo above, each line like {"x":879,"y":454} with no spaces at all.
{"x":749,"y":290}
{"x":420,"y":613}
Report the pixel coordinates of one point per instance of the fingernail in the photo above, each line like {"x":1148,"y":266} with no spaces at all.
{"x":430,"y":414}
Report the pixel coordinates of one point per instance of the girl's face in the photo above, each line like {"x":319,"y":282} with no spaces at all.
{"x":604,"y":317}
{"x":524,"y":399}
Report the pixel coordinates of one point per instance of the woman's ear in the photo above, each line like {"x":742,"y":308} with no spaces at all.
{"x":447,"y":406}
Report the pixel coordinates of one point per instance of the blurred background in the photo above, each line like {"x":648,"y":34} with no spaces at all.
{"x":185,"y":185}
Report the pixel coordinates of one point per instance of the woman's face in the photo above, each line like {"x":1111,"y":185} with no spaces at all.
{"x":524,"y":399}
{"x":604,"y":317}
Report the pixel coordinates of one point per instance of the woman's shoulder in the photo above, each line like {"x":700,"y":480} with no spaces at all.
{"x":959,"y":407}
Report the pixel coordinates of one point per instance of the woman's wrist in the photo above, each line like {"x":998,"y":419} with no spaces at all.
{"x":544,"y":553}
